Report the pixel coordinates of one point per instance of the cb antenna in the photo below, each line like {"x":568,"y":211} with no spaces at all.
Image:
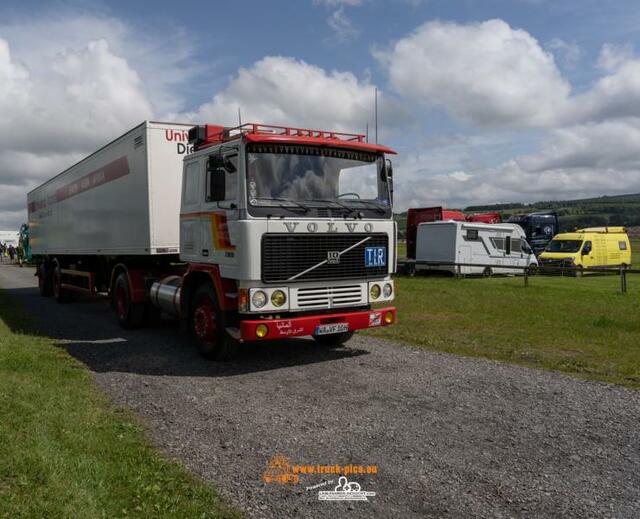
{"x":376,"y":113}
{"x":239,"y":117}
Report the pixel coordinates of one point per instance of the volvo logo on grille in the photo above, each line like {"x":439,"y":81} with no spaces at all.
{"x":333,"y":257}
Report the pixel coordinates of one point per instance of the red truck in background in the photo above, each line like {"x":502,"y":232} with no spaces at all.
{"x":485,"y":218}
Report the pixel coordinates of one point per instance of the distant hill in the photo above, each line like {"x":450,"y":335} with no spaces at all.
{"x":587,"y":212}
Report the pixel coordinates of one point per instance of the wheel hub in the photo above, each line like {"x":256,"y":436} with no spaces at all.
{"x":204,"y":324}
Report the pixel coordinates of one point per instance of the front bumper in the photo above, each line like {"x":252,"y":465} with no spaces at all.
{"x":307,"y":325}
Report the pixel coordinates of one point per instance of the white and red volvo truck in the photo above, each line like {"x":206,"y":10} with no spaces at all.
{"x":242,"y":234}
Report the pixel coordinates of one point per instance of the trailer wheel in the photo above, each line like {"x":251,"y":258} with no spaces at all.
{"x":61,"y":294}
{"x":130,"y":315}
{"x":487,"y":272}
{"x":208,"y":326}
{"x":45,"y":285}
{"x":532,"y":269}
{"x":333,"y":340}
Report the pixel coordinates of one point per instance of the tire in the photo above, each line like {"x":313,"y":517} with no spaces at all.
{"x":333,"y":340}
{"x":579,"y":272}
{"x":45,"y":285}
{"x":487,"y":272}
{"x":130,"y":315}
{"x":532,"y":270}
{"x":207,"y":325}
{"x":62,"y":295}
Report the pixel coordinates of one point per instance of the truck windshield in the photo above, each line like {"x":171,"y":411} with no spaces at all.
{"x":564,"y":246}
{"x":286,"y":176}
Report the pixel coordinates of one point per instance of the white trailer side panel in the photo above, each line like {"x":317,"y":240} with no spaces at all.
{"x":107,"y":203}
{"x":167,"y":146}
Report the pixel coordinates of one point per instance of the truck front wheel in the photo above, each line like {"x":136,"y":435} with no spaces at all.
{"x":130,"y":315}
{"x":333,"y":340}
{"x":208,"y":326}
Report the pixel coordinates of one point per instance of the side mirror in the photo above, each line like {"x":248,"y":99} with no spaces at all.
{"x":389,"y":172}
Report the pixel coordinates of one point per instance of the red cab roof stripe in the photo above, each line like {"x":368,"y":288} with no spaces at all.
{"x":365,"y":146}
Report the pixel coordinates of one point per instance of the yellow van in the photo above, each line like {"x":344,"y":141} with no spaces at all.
{"x":586,"y":248}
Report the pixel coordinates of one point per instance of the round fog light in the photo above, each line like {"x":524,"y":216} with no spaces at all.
{"x":387,"y":290}
{"x":259,"y":299}
{"x":278,"y":298}
{"x":261,"y":331}
{"x":388,"y":317}
{"x":375,"y":291}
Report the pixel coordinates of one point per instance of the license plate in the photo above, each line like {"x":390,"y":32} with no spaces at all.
{"x":326,"y":329}
{"x":375,"y":256}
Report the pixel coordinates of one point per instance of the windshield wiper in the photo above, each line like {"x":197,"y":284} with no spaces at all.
{"x":329,"y":201}
{"x":295,"y":203}
{"x":370,"y":203}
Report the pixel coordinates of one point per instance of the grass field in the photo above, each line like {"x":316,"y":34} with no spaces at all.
{"x":583,"y":326}
{"x":66,"y":452}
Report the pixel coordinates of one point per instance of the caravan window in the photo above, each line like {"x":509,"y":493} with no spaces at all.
{"x":472,"y":234}
{"x":516,"y":245}
{"x":498,"y":243}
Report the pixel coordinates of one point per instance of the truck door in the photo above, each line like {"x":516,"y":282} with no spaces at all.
{"x":190,"y":210}
{"x":220,"y":207}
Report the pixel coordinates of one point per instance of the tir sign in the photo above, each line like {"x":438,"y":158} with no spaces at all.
{"x":333,"y":257}
{"x":375,"y":256}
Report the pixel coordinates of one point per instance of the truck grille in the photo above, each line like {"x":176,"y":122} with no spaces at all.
{"x":330,"y":297}
{"x":287,"y":255}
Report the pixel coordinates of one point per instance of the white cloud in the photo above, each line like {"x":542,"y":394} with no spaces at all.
{"x":487,"y":74}
{"x":569,"y":52}
{"x":283,"y":90}
{"x":612,"y":56}
{"x":342,"y":27}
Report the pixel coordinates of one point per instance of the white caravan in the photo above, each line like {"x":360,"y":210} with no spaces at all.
{"x":452,"y":246}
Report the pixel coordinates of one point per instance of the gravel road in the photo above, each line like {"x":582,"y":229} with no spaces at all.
{"x":450,"y":436}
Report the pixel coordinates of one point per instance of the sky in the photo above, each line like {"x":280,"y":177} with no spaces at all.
{"x":485,"y":101}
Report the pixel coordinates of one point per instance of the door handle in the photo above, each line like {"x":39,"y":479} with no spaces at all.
{"x":205,"y":252}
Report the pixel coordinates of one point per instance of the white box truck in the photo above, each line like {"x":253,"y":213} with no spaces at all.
{"x":243,"y":234}
{"x":473,"y":248}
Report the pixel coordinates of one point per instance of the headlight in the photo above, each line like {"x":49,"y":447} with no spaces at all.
{"x":375,"y":291}
{"x":278,"y":298}
{"x":259,"y":299}
{"x":387,"y":290}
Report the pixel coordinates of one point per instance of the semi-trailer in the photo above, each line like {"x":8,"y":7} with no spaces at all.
{"x":242,"y":234}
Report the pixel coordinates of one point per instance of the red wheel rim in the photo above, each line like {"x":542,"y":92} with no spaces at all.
{"x":121,"y":302}
{"x":204,"y":321}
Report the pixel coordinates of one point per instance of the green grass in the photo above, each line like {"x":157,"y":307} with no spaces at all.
{"x":582,"y":326}
{"x":65,"y":451}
